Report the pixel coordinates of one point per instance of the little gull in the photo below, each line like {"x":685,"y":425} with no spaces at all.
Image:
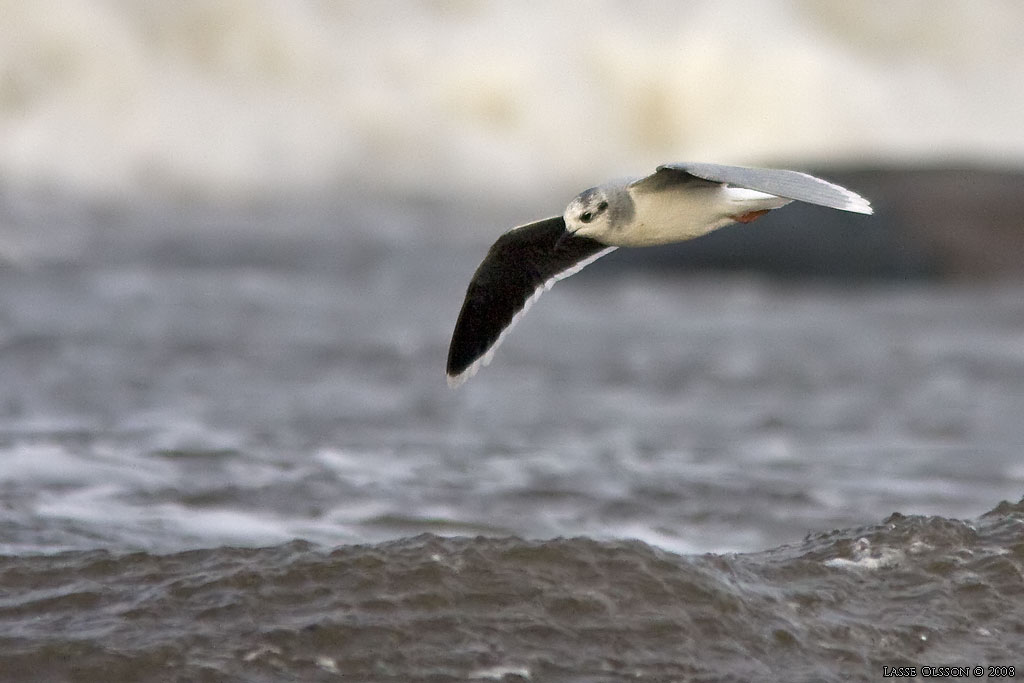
{"x":675,"y":203}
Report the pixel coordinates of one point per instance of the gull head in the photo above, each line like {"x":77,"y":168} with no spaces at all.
{"x":588,"y":215}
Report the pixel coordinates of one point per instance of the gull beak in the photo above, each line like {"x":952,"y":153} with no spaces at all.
{"x":561,"y":238}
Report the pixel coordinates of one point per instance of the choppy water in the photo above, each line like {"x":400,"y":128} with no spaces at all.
{"x":165,"y":407}
{"x":166,"y":411}
{"x":839,"y":606}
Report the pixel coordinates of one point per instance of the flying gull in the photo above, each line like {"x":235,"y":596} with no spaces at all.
{"x":675,"y":203}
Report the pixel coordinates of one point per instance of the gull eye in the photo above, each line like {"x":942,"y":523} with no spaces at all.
{"x":586,"y":216}
{"x":602,"y":206}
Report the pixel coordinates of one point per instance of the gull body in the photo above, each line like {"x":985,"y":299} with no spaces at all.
{"x":675,"y":203}
{"x":639,"y":216}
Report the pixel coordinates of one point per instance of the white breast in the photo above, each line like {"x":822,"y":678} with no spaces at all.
{"x":687,"y":211}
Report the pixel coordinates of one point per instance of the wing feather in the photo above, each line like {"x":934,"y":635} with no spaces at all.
{"x":523,"y":264}
{"x":787,"y":184}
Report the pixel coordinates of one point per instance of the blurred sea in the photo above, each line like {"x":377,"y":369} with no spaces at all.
{"x":235,"y":237}
{"x":235,"y":98}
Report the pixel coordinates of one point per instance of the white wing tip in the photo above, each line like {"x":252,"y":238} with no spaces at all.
{"x":858,"y":204}
{"x":456,"y":381}
{"x":854,"y":202}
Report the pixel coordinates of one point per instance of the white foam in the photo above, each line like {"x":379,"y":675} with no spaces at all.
{"x":500,"y":671}
{"x":866,"y":558}
{"x":245,"y":97}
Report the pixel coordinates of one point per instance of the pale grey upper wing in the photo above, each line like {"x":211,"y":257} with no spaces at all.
{"x":788,"y":184}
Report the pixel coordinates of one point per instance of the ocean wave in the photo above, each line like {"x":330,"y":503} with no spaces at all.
{"x":444,"y":609}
